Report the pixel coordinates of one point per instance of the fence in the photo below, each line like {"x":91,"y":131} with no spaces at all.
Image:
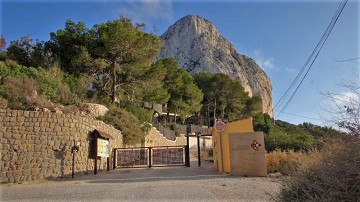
{"x":150,"y":156}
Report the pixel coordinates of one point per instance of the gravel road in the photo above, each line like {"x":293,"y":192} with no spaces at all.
{"x":143,"y":184}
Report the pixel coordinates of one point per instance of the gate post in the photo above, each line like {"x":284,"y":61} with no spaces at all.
{"x":187,"y":156}
{"x":187,"y":148}
{"x":114,"y":162}
{"x":198,"y":147}
{"x":149,"y":157}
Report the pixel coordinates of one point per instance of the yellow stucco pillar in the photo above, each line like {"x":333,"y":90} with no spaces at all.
{"x":221,"y":148}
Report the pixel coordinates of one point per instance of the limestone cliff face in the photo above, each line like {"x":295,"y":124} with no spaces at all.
{"x":199,"y":47}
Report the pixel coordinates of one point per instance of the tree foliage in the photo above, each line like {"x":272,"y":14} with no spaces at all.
{"x":2,"y":42}
{"x":117,"y":59}
{"x":29,"y":53}
{"x":286,"y":136}
{"x":153,"y":88}
{"x":225,"y":98}
{"x":127,"y":50}
{"x":3,"y":54}
{"x":185,"y":96}
{"x":117,"y":53}
{"x":71,"y":45}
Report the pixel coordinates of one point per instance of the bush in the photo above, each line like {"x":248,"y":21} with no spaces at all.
{"x":26,"y":86}
{"x":3,"y":56}
{"x":284,"y":136}
{"x":21,"y":93}
{"x":277,"y":138}
{"x":273,"y":160}
{"x":50,"y":83}
{"x":126,"y":122}
{"x":3,"y":103}
{"x":175,"y":128}
{"x":78,"y":85}
{"x":144,"y":115}
{"x":290,"y":162}
{"x":334,"y":174}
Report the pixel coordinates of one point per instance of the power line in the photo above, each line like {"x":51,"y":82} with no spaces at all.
{"x":347,"y":60}
{"x":321,"y":42}
{"x":302,"y":116}
{"x":313,"y":56}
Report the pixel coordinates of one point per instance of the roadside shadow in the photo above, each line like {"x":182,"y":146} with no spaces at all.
{"x":157,"y":179}
{"x":141,"y":174}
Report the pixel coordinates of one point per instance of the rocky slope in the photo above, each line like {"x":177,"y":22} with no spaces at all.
{"x":199,"y":47}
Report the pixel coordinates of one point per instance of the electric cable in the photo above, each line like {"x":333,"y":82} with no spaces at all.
{"x":282,"y":99}
{"x":311,"y":58}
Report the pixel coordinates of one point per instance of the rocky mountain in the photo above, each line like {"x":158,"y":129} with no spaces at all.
{"x":199,"y":47}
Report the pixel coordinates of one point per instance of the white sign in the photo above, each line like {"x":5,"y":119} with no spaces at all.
{"x":103,"y":148}
{"x":219,"y":126}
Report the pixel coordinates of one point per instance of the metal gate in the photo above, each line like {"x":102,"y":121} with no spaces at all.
{"x":150,"y":156}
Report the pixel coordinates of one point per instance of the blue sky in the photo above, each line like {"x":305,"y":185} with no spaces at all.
{"x":279,"y":35}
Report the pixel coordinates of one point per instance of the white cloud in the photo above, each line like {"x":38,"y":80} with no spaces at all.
{"x":346,"y":98}
{"x":262,"y":61}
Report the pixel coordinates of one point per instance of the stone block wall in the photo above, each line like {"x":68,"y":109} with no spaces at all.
{"x":155,"y":138}
{"x":36,"y":145}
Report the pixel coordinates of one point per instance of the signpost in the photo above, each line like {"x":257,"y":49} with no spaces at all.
{"x":187,"y":148}
{"x":102,"y":148}
{"x":198,"y":144}
{"x":74,"y":151}
{"x":219,"y":127}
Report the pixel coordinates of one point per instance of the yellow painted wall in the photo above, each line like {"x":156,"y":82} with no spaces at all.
{"x":221,"y":151}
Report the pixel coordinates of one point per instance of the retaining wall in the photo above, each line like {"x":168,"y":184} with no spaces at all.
{"x":155,"y":138}
{"x":36,"y":145}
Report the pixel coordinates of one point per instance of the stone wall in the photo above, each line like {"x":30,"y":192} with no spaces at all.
{"x":155,"y":138}
{"x":36,"y":145}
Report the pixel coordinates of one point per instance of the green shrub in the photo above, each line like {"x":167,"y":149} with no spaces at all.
{"x":3,"y":56}
{"x":144,"y":115}
{"x":175,"y":128}
{"x":126,"y":122}
{"x":11,"y":68}
{"x":282,"y":135}
{"x":146,"y":127}
{"x":78,"y":85}
{"x":277,"y":138}
{"x":48,"y":85}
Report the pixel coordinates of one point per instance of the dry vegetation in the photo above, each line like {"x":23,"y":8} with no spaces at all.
{"x":332,"y":174}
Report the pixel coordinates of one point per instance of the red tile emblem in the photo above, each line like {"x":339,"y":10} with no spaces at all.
{"x":255,"y":145}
